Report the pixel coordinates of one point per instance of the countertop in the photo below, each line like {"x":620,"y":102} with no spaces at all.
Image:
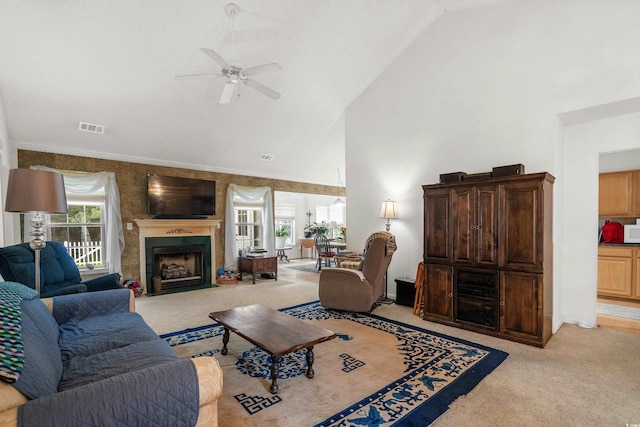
{"x":627,"y":245}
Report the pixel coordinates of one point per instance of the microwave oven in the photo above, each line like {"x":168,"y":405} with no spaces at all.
{"x":632,"y":233}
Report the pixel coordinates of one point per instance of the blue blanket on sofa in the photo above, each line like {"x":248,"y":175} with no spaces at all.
{"x":94,"y":363}
{"x":162,"y":395}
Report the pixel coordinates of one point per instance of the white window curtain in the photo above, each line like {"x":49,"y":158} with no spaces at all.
{"x":261,"y":195}
{"x":83,"y":184}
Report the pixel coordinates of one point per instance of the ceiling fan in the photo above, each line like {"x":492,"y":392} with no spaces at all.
{"x":236,"y":74}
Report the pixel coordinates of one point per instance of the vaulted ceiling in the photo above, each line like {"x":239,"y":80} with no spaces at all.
{"x":113,"y":63}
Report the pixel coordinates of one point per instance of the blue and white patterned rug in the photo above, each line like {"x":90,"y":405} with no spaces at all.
{"x":378,"y":372}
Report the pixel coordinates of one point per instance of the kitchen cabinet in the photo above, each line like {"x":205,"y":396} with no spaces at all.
{"x":619,"y":272}
{"x":488,"y":256}
{"x":618,"y":194}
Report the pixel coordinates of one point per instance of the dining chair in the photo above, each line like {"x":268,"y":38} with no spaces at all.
{"x":324,"y":251}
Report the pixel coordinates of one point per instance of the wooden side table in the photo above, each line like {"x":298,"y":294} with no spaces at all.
{"x":308,"y":244}
{"x":257,"y":265}
{"x":281,"y":254}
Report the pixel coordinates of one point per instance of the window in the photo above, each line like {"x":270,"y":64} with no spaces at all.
{"x":285,"y":217}
{"x":331,"y":213}
{"x":248,"y":227}
{"x":93,"y":224}
{"x":81,"y":230}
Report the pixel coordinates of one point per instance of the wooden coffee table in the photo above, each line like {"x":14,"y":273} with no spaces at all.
{"x":274,"y":332}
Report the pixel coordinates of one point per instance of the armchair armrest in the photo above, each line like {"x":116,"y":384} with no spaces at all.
{"x":210,"y":385}
{"x":103,"y":283}
{"x":340,"y":274}
{"x":81,"y":306}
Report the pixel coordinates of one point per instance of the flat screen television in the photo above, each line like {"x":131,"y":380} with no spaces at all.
{"x":174,"y":197}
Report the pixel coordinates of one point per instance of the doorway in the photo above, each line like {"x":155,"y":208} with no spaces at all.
{"x":296,"y":211}
{"x":618,"y":313}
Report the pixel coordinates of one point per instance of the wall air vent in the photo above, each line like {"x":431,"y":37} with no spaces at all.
{"x":91,"y":128}
{"x":266,"y":157}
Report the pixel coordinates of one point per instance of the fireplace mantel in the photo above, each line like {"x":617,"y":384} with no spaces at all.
{"x":175,"y":228}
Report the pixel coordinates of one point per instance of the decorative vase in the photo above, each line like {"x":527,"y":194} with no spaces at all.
{"x":307,"y":234}
{"x":280,"y":241}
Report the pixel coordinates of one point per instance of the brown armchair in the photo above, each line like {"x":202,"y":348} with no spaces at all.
{"x":359,"y":290}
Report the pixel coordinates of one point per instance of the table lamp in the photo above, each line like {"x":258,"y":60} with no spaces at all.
{"x":389,"y":211}
{"x":38,"y":192}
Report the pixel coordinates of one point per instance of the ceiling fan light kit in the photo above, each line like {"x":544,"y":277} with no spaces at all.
{"x":235,"y":73}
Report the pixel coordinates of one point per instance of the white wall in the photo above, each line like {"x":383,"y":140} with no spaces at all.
{"x":483,"y":88}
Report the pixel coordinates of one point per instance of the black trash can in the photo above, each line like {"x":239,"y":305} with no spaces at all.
{"x":405,"y":291}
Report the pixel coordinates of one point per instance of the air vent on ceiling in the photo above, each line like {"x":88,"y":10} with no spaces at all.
{"x":266,"y":157}
{"x":88,"y":127}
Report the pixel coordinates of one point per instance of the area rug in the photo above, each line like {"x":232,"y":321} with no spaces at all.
{"x":377,"y":372}
{"x":310,"y":267}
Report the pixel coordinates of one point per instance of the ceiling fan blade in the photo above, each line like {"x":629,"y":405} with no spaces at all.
{"x":227,"y":92}
{"x":262,"y":88}
{"x":214,"y":55}
{"x":190,"y":76}
{"x":259,"y":69}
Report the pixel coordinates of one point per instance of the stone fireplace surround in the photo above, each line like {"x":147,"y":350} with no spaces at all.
{"x":178,"y":228}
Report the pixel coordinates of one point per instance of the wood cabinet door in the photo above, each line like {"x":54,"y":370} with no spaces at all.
{"x":615,"y":271}
{"x":522,"y":226}
{"x":438,"y":292}
{"x":463,"y":202}
{"x":487,"y":225}
{"x":521,"y":304}
{"x":437,"y":225}
{"x":615,"y":197}
{"x":475,"y":225}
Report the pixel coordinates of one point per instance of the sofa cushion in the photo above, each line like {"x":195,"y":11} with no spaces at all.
{"x":42,"y":368}
{"x":100,"y":347}
{"x":98,"y":334}
{"x":83,"y":370}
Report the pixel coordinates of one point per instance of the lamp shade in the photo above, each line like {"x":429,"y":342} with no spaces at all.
{"x":31,"y":190}
{"x":389,"y":210}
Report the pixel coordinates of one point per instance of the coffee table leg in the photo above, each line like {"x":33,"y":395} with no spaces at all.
{"x":275,"y":368}
{"x":310,"y":372}
{"x":225,"y":341}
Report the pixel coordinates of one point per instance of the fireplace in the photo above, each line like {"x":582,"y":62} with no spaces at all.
{"x":180,"y":254}
{"x":180,"y":263}
{"x":179,"y":266}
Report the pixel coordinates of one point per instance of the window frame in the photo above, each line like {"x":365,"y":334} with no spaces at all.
{"x":51,"y":225}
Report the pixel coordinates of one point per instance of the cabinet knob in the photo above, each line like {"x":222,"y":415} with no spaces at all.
{"x":501,"y":302}
{"x":450,"y":295}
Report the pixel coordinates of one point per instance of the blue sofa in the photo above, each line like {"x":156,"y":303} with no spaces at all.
{"x":89,"y":359}
{"x":59,"y":273}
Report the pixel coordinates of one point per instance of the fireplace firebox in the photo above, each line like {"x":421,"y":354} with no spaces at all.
{"x":181,"y":263}
{"x":179,"y":266}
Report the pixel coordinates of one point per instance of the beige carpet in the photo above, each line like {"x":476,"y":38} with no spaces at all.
{"x":584,"y":377}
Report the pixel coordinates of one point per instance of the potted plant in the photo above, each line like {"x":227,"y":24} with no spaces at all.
{"x":281,"y":236}
{"x":307,"y":232}
{"x":316,"y":228}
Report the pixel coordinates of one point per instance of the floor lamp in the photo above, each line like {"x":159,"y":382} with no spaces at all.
{"x":38,"y":192}
{"x":388,"y":211}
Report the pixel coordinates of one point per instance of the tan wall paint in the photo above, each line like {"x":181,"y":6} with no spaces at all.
{"x":132,"y":183}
